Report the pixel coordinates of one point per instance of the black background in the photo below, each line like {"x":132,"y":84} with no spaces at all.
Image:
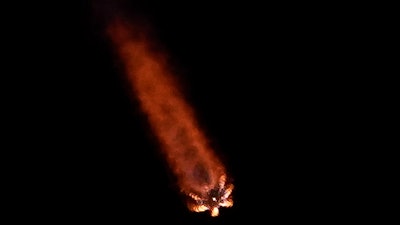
{"x":269,"y":86}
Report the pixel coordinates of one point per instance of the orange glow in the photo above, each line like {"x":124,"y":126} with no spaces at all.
{"x":197,"y":168}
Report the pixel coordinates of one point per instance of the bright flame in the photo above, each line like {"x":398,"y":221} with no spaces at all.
{"x":199,"y":172}
{"x":214,"y":212}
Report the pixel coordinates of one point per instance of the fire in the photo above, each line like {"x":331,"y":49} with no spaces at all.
{"x":199,"y":172}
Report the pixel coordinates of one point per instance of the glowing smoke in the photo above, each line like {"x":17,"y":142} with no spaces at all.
{"x":199,"y":172}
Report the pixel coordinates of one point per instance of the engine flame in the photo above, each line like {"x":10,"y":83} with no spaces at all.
{"x":199,"y":172}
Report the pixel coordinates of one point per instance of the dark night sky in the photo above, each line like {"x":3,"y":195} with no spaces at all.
{"x":262,"y":78}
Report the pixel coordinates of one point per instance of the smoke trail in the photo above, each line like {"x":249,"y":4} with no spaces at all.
{"x":199,"y":172}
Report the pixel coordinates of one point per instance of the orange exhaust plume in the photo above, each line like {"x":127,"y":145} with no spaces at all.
{"x":200,"y":174}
